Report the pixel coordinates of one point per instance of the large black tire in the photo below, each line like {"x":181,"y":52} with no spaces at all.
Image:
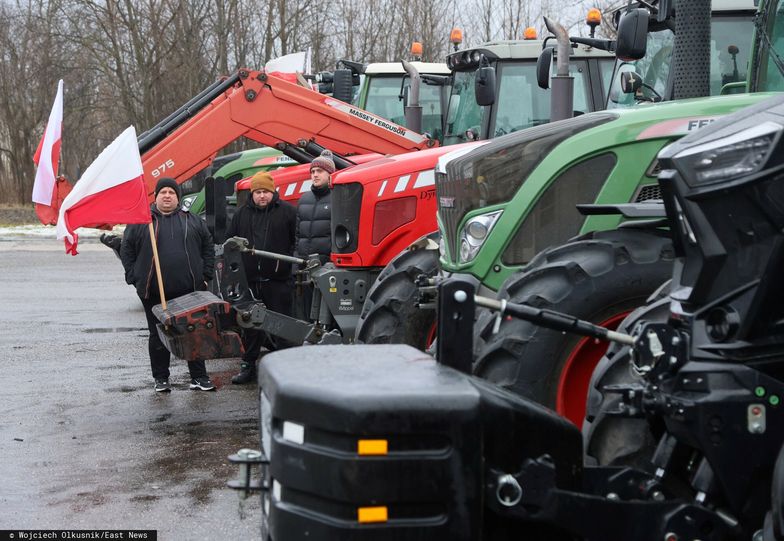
{"x":598,"y":277}
{"x":390,"y":314}
{"x":621,"y":441}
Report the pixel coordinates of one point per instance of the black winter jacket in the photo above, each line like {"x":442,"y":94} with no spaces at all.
{"x":314,"y":213}
{"x":271,"y":229}
{"x":185,"y":249}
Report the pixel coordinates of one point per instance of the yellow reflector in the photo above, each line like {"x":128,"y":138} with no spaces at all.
{"x":372,"y":514}
{"x":372,"y":447}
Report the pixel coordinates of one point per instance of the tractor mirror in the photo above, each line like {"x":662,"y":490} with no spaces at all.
{"x":484,"y":86}
{"x":632,"y":35}
{"x":343,"y":85}
{"x":543,"y":67}
{"x":631,"y":82}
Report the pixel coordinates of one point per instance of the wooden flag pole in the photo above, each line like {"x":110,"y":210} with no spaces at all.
{"x":157,"y":266}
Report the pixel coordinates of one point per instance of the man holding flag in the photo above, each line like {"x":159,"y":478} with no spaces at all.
{"x":187,"y":260}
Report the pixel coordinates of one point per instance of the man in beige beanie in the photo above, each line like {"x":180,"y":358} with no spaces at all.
{"x":269,"y":224}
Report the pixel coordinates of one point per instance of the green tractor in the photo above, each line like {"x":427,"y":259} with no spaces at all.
{"x":505,"y":202}
{"x":234,"y":167}
{"x":606,"y":271}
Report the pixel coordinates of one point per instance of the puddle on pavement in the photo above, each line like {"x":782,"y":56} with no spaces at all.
{"x":125,"y":389}
{"x":187,"y":451}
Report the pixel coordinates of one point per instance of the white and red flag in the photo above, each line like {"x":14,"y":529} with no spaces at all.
{"x":48,"y":190}
{"x":111,"y":191}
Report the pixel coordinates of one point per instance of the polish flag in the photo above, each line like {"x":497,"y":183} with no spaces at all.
{"x":111,"y":191}
{"x":48,"y":190}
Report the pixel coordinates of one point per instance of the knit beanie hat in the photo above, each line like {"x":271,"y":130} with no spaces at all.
{"x":262,"y":181}
{"x":324,"y":161}
{"x":168,"y":182}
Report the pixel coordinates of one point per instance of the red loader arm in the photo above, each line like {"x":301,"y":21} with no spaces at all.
{"x":273,"y":112}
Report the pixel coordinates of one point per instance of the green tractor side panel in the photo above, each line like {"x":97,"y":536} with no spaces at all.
{"x":626,"y":147}
{"x":248,"y":163}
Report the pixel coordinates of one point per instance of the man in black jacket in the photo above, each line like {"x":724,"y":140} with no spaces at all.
{"x":268,"y":224}
{"x":187,"y":258}
{"x":314,"y":214}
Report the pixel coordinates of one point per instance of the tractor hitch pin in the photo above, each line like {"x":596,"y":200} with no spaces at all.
{"x":246,"y":459}
{"x":499,"y":317}
{"x":553,"y":320}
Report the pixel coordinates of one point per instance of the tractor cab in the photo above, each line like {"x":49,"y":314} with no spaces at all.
{"x":732,"y":23}
{"x":515,"y":101}
{"x":386,"y":86}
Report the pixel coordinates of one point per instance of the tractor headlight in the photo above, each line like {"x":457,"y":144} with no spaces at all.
{"x":738,"y":155}
{"x":474,"y":234}
{"x":342,"y":237}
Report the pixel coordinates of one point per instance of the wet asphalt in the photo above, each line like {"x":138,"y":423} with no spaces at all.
{"x":85,"y":442}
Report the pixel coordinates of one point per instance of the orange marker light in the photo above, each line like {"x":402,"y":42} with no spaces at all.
{"x":372,"y":514}
{"x":530,"y":33}
{"x":416,"y":49}
{"x":372,"y":447}
{"x":594,"y":17}
{"x":456,"y":36}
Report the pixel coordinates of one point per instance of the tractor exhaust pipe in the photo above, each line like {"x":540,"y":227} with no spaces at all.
{"x":562,"y":99}
{"x":412,"y":109}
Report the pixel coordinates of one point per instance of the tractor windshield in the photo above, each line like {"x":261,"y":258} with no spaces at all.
{"x":730,"y":46}
{"x":464,"y":117}
{"x":769,"y":76}
{"x":384,"y":99}
{"x":654,"y":69}
{"x":520,"y":103}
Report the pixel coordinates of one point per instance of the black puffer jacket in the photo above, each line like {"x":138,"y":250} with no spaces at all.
{"x":314,"y":213}
{"x":185,"y":250}
{"x":272,"y":229}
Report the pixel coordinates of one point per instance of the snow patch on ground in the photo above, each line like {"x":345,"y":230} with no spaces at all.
{"x":49,"y":232}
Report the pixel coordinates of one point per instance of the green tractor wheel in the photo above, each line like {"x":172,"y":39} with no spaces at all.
{"x":600,"y":277}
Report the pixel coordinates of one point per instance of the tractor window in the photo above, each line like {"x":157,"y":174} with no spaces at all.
{"x":554,"y":218}
{"x":383,"y":99}
{"x":731,"y":39}
{"x":654,"y":69}
{"x":770,"y":77}
{"x":606,"y":67}
{"x":522,"y":104}
{"x":464,"y":113}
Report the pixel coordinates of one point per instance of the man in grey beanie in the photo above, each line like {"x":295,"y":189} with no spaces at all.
{"x":314,"y":214}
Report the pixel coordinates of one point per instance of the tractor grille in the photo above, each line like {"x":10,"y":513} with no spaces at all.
{"x":493,"y":173}
{"x":649,"y":192}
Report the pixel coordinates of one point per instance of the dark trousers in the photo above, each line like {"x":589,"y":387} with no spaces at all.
{"x":276,"y":296}
{"x":159,"y":355}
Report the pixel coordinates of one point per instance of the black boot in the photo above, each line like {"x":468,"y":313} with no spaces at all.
{"x":246,"y":375}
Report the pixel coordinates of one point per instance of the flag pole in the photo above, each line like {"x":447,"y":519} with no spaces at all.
{"x":157,"y":266}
